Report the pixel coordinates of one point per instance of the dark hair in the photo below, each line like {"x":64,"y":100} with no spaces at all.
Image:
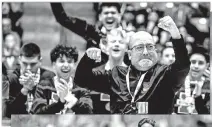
{"x":201,"y":50}
{"x":4,"y":69}
{"x":63,"y":50}
{"x":30,"y":50}
{"x":117,"y":5}
{"x":146,"y":120}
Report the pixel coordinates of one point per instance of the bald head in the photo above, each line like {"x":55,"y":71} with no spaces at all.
{"x":140,"y":37}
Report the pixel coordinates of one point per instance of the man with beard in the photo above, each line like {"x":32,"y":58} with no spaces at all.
{"x":109,"y":17}
{"x":59,"y":94}
{"x":24,"y":80}
{"x":144,"y":80}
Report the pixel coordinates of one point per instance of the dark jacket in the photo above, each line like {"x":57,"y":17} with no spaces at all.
{"x":98,"y":104}
{"x":17,"y":100}
{"x":202,"y":105}
{"x":163,"y":81}
{"x":43,"y":97}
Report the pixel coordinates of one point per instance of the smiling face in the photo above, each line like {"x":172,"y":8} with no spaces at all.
{"x":63,"y":67}
{"x":198,"y":65}
{"x":110,"y":17}
{"x":142,"y":52}
{"x":116,"y":45}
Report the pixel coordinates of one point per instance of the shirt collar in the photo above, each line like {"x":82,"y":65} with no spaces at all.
{"x":107,"y":66}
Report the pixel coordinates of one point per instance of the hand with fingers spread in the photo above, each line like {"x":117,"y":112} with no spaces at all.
{"x":27,"y":81}
{"x":94,"y":54}
{"x":62,"y":89}
{"x":167,"y":24}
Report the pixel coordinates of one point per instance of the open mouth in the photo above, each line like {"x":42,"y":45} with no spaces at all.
{"x":65,"y":71}
{"x":110,"y":21}
{"x":116,"y":50}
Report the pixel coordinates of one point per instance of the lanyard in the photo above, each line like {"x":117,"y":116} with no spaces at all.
{"x":138,"y":85}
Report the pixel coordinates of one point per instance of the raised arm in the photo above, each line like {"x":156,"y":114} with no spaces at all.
{"x":76,"y":25}
{"x":180,"y":68}
{"x":94,"y":80}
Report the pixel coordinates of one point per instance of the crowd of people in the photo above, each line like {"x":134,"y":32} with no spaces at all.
{"x":136,"y":62}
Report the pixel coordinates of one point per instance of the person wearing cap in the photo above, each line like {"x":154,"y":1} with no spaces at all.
{"x":146,"y":122}
{"x":144,"y":80}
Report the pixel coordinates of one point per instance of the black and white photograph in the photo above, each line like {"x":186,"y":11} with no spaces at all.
{"x":112,"y":121}
{"x":97,"y":58}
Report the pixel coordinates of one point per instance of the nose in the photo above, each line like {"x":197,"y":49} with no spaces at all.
{"x":196,"y":65}
{"x":117,"y":43}
{"x":109,"y":15}
{"x":28,"y":67}
{"x":65,"y":64}
{"x":145,"y":52}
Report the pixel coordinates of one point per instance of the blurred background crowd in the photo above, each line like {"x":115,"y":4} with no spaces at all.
{"x":34,"y":22}
{"x":109,"y":121}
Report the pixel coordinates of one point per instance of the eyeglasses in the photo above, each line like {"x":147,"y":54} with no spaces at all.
{"x":140,"y":48}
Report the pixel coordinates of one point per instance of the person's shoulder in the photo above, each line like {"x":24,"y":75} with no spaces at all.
{"x":119,"y":71}
{"x":46,"y":84}
{"x":206,"y":86}
{"x":46,"y":74}
{"x":99,"y":68}
{"x":14,"y":76}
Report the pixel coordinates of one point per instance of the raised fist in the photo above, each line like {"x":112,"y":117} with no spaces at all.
{"x":94,"y":54}
{"x":167,"y":24}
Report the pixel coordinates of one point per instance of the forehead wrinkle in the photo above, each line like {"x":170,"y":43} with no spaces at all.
{"x":141,"y":36}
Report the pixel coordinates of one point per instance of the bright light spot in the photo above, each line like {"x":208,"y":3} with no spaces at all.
{"x":169,"y":5}
{"x":50,"y":125}
{"x":202,"y":21}
{"x":195,"y":5}
{"x":143,"y":5}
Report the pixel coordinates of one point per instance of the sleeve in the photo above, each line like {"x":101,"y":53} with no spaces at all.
{"x":40,"y":105}
{"x":201,"y":104}
{"x":93,"y":80}
{"x":180,"y":68}
{"x":84,"y":104}
{"x":16,"y":101}
{"x":76,"y":25}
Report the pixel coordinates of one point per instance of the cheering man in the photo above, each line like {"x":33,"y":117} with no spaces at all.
{"x":144,"y":80}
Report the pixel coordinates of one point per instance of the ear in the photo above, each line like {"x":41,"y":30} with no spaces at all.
{"x":41,"y":59}
{"x":53,"y":65}
{"x":129,"y":54}
{"x":119,"y":18}
{"x":100,"y":17}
